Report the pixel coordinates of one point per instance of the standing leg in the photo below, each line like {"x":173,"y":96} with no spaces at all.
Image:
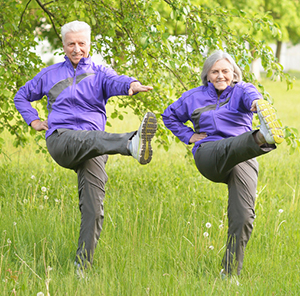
{"x":86,"y":153}
{"x":242,"y":183}
{"x":91,"y":188}
{"x":231,"y":161}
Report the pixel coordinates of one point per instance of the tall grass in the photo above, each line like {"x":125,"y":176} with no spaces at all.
{"x":154,"y":238}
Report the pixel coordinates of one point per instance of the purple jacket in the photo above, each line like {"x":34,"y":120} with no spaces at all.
{"x":76,"y":99}
{"x":223,"y":117}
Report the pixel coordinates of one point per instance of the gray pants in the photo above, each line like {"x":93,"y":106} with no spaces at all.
{"x":232,"y":161}
{"x":85,"y":152}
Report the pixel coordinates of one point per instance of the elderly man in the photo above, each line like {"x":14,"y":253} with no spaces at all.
{"x":77,"y":92}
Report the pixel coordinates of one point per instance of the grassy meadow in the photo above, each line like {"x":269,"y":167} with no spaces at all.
{"x":157,"y":217}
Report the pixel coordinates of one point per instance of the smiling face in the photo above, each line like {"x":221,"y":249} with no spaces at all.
{"x":76,"y":45}
{"x":220,"y":75}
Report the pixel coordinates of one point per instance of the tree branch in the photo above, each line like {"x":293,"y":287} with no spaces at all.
{"x":50,"y":17}
{"x":111,"y":8}
{"x":23,"y":13}
{"x":48,"y":3}
{"x":171,"y":70}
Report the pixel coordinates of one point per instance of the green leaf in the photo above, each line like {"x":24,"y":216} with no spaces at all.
{"x":269,"y":73}
{"x":235,"y":12}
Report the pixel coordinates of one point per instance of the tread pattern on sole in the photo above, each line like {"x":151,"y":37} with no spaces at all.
{"x":268,"y":115}
{"x":148,"y":130}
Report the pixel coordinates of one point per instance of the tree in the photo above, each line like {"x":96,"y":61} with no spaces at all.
{"x":165,"y":49}
{"x":285,"y":15}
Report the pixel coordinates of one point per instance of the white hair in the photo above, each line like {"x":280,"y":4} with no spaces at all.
{"x":75,"y":26}
{"x":215,"y":57}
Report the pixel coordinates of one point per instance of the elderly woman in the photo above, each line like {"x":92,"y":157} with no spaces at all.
{"x":225,"y":145}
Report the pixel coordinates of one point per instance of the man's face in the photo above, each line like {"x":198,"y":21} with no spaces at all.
{"x":76,"y":46}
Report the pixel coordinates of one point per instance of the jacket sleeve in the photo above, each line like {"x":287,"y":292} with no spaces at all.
{"x":174,"y":118}
{"x":114,"y":84}
{"x":31,"y":91}
{"x":250,"y":94}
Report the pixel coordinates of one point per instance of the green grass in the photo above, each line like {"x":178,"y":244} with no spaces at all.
{"x":155,"y":216}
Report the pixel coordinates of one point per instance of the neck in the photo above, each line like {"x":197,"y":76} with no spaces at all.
{"x":219,"y":92}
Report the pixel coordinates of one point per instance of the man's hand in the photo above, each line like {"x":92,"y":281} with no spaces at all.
{"x":197,"y":137}
{"x":39,"y":125}
{"x":136,"y":87}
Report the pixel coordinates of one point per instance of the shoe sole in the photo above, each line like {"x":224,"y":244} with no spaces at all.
{"x":147,"y":132}
{"x":268,"y":115}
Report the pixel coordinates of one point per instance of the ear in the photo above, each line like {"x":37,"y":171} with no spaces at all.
{"x":235,"y":77}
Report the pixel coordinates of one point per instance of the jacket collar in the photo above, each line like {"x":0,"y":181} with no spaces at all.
{"x":213,"y":92}
{"x":83,"y":61}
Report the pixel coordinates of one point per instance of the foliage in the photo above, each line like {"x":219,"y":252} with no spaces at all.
{"x":285,"y":15}
{"x":17,"y":63}
{"x":162,"y":43}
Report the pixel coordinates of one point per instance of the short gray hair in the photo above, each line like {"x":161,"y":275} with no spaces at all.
{"x":75,"y":26}
{"x":215,"y":57}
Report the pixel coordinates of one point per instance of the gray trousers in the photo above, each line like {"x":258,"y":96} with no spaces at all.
{"x":232,"y":161}
{"x":85,"y":152}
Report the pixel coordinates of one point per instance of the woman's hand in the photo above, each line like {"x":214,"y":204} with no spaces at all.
{"x":197,"y":137}
{"x":39,"y":125}
{"x":253,"y":106}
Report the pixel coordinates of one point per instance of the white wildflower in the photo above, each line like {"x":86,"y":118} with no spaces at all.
{"x":211,"y":247}
{"x":221,"y":225}
{"x":46,"y":197}
{"x":15,"y":223}
{"x":32,"y":177}
{"x":44,"y":189}
{"x":280,"y":211}
{"x":8,"y":241}
{"x":40,"y":294}
{"x":49,"y":268}
{"x":41,"y":207}
{"x":57,"y":200}
{"x":205,"y":234}
{"x":208,"y":225}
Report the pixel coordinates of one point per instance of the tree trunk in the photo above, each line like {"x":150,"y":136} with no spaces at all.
{"x":278,"y":50}
{"x":255,"y":69}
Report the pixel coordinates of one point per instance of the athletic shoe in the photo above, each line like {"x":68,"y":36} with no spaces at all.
{"x":225,"y":277}
{"x":79,"y":271}
{"x":269,"y":125}
{"x":223,"y":274}
{"x":140,"y":145}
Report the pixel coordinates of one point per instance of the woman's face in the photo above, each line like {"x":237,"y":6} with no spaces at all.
{"x":220,"y":74}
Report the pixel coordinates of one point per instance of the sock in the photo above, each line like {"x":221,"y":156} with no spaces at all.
{"x":259,"y":138}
